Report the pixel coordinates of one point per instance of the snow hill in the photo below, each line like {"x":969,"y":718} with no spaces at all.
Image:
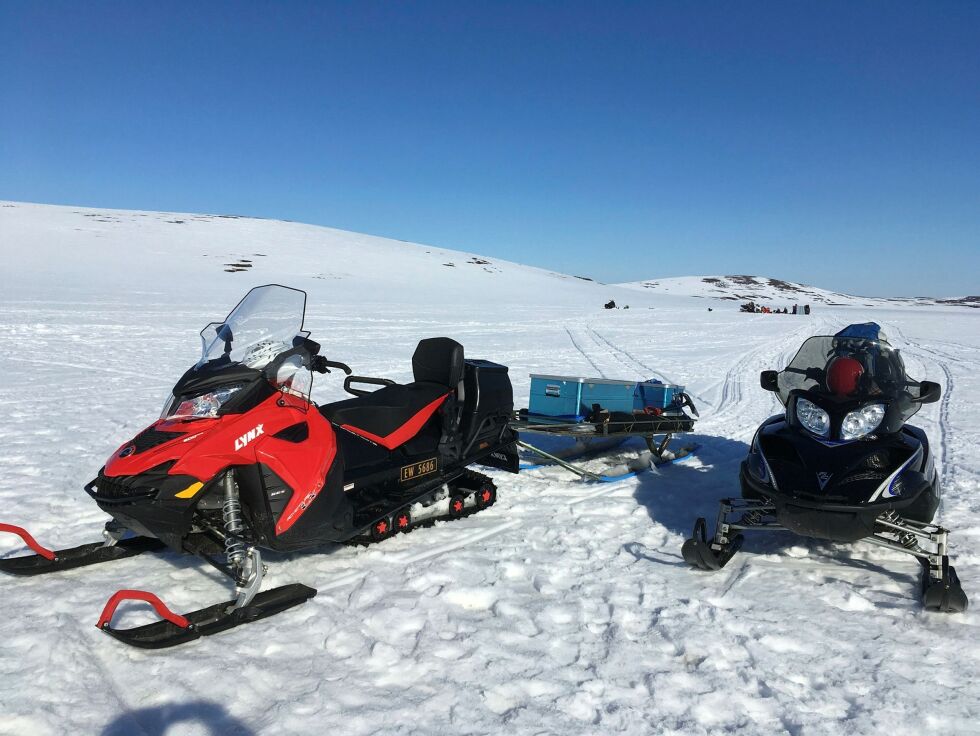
{"x":59,"y":250}
{"x":563,"y":609}
{"x":777,"y":292}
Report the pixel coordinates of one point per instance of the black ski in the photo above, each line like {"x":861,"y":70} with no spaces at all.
{"x":176,"y":629}
{"x":87,"y":554}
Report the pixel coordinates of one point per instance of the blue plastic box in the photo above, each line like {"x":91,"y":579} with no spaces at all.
{"x":611,"y":395}
{"x":656,"y":394}
{"x":556,"y":396}
{"x":570,"y":398}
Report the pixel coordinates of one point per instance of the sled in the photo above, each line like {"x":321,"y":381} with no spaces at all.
{"x":600,"y":414}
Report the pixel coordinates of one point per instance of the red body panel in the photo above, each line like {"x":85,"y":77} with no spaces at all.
{"x":206,"y":447}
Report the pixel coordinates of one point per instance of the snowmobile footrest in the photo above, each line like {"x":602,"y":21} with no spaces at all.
{"x":698,"y":553}
{"x":175,"y":629}
{"x":68,"y":559}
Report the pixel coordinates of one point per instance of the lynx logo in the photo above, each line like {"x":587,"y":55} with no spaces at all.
{"x":250,"y":435}
{"x":823,"y":478}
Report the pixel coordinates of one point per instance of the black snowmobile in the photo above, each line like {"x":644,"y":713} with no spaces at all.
{"x":841,"y":463}
{"x":242,"y":460}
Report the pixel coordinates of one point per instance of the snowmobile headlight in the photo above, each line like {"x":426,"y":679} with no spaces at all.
{"x":813,"y":417}
{"x":205,"y":405}
{"x":861,"y":422}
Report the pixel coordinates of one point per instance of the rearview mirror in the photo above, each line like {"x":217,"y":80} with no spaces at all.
{"x":769,"y":380}
{"x":929,"y":392}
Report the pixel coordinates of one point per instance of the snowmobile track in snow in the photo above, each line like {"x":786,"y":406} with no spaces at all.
{"x":634,"y":364}
{"x":732,"y":395}
{"x":938,"y":358}
{"x":584,"y":354}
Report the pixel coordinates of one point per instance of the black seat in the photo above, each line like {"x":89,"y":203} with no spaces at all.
{"x":392,"y":415}
{"x":438,"y":360}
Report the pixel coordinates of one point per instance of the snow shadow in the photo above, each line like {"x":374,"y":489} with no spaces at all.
{"x":679,"y":493}
{"x":159,"y":720}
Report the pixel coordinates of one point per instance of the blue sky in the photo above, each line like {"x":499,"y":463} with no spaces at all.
{"x":832,"y":143}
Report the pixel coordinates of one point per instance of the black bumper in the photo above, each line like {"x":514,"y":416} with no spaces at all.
{"x":136,"y":503}
{"x":839,"y":522}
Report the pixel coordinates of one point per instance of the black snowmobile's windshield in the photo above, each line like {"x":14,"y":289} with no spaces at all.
{"x":881,"y":373}
{"x":264,"y":324}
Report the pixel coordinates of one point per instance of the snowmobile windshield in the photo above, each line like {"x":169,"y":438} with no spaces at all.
{"x":264,"y":324}
{"x":878,"y":372}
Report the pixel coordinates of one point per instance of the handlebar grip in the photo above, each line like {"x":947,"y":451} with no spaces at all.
{"x":343,"y":366}
{"x":322,"y":365}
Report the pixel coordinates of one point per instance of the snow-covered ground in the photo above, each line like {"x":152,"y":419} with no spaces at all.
{"x":563,"y":609}
{"x":778,"y":293}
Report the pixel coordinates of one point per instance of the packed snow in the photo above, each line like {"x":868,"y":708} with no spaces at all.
{"x":563,"y":609}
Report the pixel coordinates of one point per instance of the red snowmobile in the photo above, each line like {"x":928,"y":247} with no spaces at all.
{"x":242,"y":460}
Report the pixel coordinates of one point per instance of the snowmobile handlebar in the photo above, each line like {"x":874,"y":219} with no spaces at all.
{"x":322,"y":365}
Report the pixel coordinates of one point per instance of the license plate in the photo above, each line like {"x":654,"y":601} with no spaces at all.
{"x":417,"y":470}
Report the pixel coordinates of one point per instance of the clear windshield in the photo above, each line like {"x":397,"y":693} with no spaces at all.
{"x":882,"y":372}
{"x":264,"y":324}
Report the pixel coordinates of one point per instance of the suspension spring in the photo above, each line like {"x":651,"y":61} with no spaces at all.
{"x":231,"y":514}
{"x":906,"y":539}
{"x":753,"y":517}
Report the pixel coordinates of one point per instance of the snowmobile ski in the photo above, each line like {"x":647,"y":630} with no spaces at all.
{"x":174,"y":629}
{"x":47,"y":560}
{"x":943,"y":593}
{"x":699,"y":553}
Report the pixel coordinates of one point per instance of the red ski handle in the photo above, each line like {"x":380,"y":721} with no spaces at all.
{"x":28,"y":540}
{"x":139,"y":595}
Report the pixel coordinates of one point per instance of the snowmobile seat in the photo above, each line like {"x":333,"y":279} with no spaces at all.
{"x":438,"y":360}
{"x":393,"y":415}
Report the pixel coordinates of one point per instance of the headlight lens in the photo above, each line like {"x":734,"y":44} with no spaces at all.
{"x":167,"y":406}
{"x":813,"y":417}
{"x":862,"y":421}
{"x":205,"y":405}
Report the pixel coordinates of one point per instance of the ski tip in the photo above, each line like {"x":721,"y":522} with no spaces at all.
{"x":28,"y":540}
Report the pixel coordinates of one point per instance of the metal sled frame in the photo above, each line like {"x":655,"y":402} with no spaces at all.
{"x":648,"y":429}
